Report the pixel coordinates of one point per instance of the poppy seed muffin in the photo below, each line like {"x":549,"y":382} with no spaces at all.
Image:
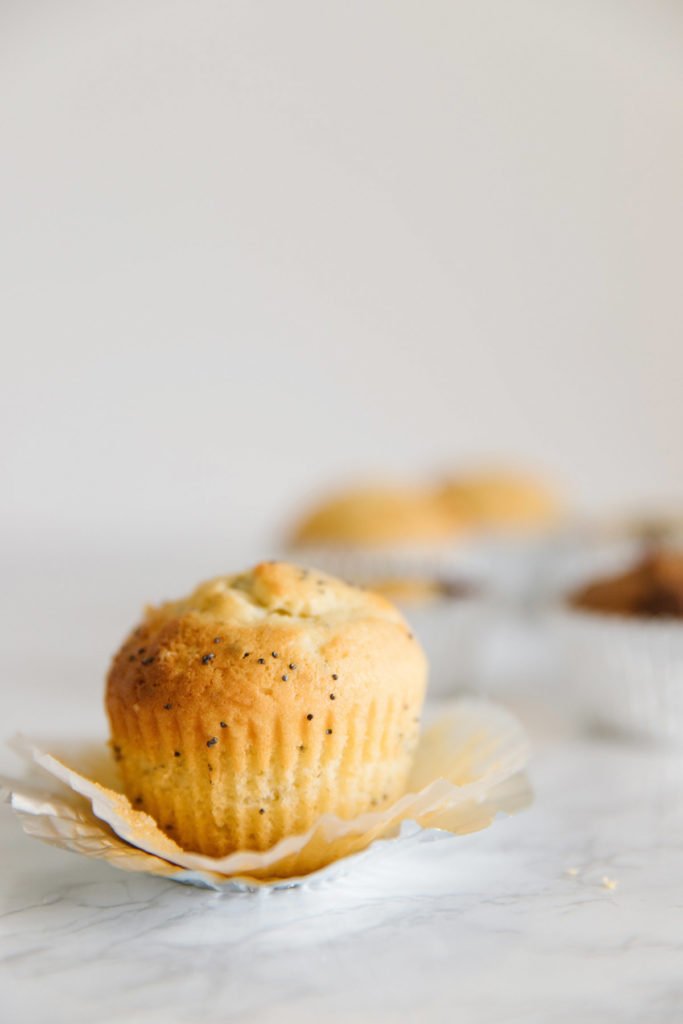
{"x":242,"y":713}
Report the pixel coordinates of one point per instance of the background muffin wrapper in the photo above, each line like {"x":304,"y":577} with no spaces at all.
{"x":505,"y":564}
{"x":621,"y":673}
{"x":468,"y":769}
{"x":453,"y":633}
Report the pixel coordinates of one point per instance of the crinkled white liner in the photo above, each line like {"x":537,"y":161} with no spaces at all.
{"x":467,"y":769}
{"x":579,"y":554}
{"x":504,"y":563}
{"x":364,"y":566}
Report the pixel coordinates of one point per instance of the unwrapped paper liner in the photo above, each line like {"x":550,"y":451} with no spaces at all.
{"x":468,"y":768}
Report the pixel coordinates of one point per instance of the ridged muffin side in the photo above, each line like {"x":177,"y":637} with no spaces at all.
{"x":243,"y":713}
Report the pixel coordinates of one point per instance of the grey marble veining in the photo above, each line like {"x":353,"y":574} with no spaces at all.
{"x":481,"y":928}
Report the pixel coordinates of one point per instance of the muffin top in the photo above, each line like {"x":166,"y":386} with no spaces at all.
{"x":499,"y":499}
{"x":274,"y":591}
{"x":276,"y":633}
{"x":652,"y":589}
{"x":377,"y":516}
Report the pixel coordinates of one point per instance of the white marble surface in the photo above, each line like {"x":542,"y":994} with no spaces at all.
{"x":490,"y":927}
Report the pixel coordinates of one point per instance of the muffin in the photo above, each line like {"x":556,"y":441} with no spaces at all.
{"x":653,"y":589}
{"x":244,"y":712}
{"x":377,"y":517}
{"x":499,"y":501}
{"x":620,"y":647}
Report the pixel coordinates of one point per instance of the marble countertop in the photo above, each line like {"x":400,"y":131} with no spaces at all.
{"x":572,"y":910}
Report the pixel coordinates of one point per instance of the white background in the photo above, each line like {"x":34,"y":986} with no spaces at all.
{"x":251,"y":249}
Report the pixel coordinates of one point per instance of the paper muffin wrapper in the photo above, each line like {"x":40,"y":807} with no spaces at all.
{"x":468,"y":768}
{"x":332,"y":768}
{"x":454,"y":633}
{"x":485,"y":646}
{"x":505,"y":564}
{"x":581,"y":553}
{"x":367,"y":566}
{"x":622,"y":674}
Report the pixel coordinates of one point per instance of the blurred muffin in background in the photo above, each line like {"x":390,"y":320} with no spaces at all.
{"x":401,"y":541}
{"x":489,"y":528}
{"x":652,"y":589}
{"x":398,"y":540}
{"x":600,"y":548}
{"x":501,"y":500}
{"x":377,"y":517}
{"x":619,"y":647}
{"x":460,"y":557}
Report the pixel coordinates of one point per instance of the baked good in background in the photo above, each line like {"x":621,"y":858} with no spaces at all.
{"x":244,"y":712}
{"x":652,"y":588}
{"x":597,"y":549}
{"x":500,"y":500}
{"x":477,"y":527}
{"x":376,"y":517}
{"x":432,"y":513}
{"x":618,"y":646}
{"x":461,"y":557}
